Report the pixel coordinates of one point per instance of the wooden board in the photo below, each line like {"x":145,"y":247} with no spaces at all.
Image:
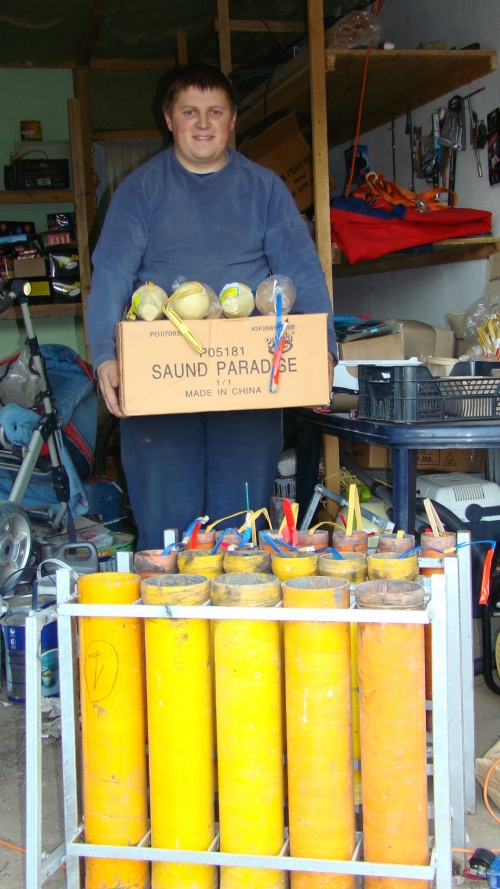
{"x":396,"y":78}
{"x":58,"y":310}
{"x":37,"y":196}
{"x":456,"y":250}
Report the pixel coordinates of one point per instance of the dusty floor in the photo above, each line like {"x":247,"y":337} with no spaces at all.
{"x":481,"y":828}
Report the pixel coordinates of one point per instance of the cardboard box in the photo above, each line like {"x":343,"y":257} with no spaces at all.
{"x":284,"y":150}
{"x":162,"y":374}
{"x":425,"y":339}
{"x":369,"y":456}
{"x":29,"y":268}
{"x":384,"y":347}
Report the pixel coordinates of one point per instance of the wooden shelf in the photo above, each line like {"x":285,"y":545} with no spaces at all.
{"x":454,"y":250}
{"x":396,"y":79}
{"x":37,"y":196}
{"x":56,"y":310}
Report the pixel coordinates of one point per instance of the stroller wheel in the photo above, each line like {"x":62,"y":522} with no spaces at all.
{"x":15,"y":539}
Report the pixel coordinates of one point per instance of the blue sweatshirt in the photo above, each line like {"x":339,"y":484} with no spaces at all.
{"x":237,"y":224}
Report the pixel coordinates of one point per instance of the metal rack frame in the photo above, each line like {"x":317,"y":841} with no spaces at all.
{"x":449,"y":613}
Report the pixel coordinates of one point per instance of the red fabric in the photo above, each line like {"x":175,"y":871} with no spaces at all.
{"x":366,"y":237}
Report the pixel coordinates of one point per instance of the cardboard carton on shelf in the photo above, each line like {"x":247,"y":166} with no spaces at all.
{"x":30,"y":268}
{"x":162,"y":374}
{"x":378,"y":347}
{"x":369,"y":456}
{"x":283,"y":149}
{"x":425,"y":339}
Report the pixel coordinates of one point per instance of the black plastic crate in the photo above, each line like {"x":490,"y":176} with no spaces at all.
{"x":410,"y":394}
{"x":37,"y":173}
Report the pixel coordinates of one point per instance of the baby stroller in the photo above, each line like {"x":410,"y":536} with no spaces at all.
{"x":47,"y":441}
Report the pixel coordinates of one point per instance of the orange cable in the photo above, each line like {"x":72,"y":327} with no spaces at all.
{"x":378,"y":7}
{"x":20,"y":849}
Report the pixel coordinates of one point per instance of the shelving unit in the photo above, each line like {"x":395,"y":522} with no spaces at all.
{"x":75,"y":195}
{"x":38,"y":196}
{"x":323,"y":89}
{"x":396,"y":79}
{"x":458,"y":250}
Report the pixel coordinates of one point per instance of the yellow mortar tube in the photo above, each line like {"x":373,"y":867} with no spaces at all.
{"x":294,"y":564}
{"x":393,"y":742}
{"x":389,"y":566}
{"x":113,"y":730}
{"x":180,"y":731}
{"x":249,"y":730}
{"x":356,"y":734}
{"x":247,"y":561}
{"x":352,"y":566}
{"x":199,"y":561}
{"x":319,"y":743}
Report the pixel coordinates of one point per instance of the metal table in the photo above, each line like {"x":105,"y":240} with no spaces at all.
{"x":403,"y":439}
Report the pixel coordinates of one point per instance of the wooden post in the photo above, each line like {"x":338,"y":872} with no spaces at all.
{"x":225,"y":46}
{"x":322,"y":194}
{"x":332,"y":472}
{"x":320,"y":138}
{"x":77,"y":159}
{"x":182,"y":52}
{"x":82,"y":93}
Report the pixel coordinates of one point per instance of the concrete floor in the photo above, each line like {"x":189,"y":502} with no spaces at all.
{"x":481,"y":829}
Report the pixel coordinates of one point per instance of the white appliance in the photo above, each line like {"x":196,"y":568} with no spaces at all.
{"x":456,"y":490}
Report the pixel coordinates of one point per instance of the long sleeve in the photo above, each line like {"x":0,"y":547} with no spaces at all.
{"x":117,"y":259}
{"x":290,"y":251}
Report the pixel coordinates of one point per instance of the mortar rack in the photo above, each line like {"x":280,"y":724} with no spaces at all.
{"x":450,"y":747}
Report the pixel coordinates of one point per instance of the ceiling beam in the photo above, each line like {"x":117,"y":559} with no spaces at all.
{"x":124,"y":64}
{"x":91,"y":31}
{"x":280,"y":27}
{"x":69,"y":64}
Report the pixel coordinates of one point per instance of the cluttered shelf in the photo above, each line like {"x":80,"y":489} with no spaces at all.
{"x":55,"y":310}
{"x":444,"y":252}
{"x":37,"y":196}
{"x":398,"y":78}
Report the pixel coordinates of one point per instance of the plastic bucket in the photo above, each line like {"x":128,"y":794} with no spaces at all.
{"x":14,"y":636}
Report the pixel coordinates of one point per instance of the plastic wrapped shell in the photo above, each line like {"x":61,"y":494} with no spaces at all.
{"x":237,"y":300}
{"x":267,"y":291}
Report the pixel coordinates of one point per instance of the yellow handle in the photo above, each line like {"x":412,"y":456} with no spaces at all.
{"x":184,"y":329}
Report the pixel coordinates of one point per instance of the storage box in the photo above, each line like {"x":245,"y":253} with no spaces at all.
{"x":56,"y":238}
{"x":29,"y":268}
{"x":284,"y":150}
{"x":369,"y":456}
{"x":12,"y":227}
{"x":162,"y":374}
{"x":425,"y":339}
{"x":383,"y":347}
{"x":63,"y":262}
{"x":27,"y":174}
{"x":65,"y":290}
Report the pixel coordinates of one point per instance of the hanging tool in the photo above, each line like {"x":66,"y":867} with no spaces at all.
{"x":393,"y":142}
{"x":474,"y":129}
{"x":409,"y":132}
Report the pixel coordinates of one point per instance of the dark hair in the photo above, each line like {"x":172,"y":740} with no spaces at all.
{"x":202,"y":77}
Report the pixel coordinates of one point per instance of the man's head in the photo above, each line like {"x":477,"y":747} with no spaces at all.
{"x":200,"y":112}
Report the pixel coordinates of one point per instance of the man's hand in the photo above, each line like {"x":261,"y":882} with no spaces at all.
{"x":109,"y":381}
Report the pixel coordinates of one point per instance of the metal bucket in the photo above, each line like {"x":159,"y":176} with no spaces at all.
{"x":14,"y":636}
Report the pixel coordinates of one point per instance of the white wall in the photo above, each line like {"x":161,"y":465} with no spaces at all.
{"x":427,"y":294}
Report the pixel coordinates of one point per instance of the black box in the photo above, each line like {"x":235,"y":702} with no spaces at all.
{"x":63,"y":263}
{"x":65,"y":290}
{"x":26,"y":174}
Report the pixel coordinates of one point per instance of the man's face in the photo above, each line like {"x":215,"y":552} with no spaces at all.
{"x":201,"y":122}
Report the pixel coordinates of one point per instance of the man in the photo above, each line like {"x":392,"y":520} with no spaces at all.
{"x":204,"y":212}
